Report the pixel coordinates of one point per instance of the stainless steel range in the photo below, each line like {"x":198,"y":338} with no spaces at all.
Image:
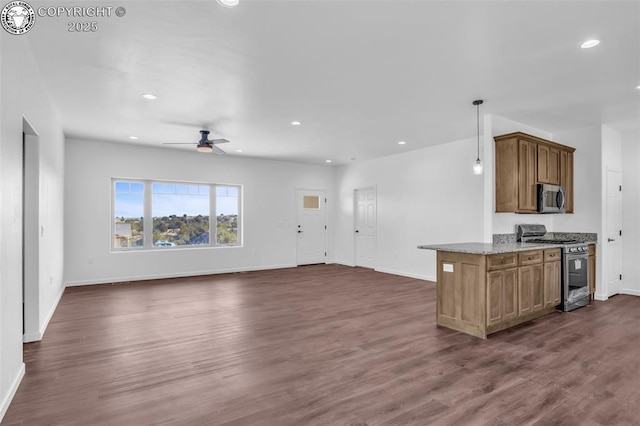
{"x":575,"y":270}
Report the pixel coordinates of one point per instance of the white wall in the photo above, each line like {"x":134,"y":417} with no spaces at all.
{"x":424,"y":196}
{"x":23,"y":96}
{"x":586,"y":181}
{"x":269,"y":214}
{"x":631,"y":213}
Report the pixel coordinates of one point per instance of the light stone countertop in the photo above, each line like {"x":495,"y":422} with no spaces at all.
{"x":488,"y":248}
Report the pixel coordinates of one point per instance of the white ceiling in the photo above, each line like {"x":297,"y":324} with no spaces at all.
{"x":359,"y":75}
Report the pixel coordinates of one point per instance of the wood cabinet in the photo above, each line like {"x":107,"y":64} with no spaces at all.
{"x":592,"y":269}
{"x":552,"y":277}
{"x":530,"y":283}
{"x":523,"y":161}
{"x":548,"y":164}
{"x":461,"y":284}
{"x":566,"y":177}
{"x":527,"y":176}
{"x":502,"y":292}
{"x":482,"y":294}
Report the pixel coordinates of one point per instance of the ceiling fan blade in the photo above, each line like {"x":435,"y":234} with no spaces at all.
{"x":215,"y":141}
{"x":217,"y":150}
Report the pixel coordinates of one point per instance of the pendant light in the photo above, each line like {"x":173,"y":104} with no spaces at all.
{"x":477,"y":167}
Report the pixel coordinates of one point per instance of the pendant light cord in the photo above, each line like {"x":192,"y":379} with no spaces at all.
{"x":477,"y":103}
{"x":478,"y":127}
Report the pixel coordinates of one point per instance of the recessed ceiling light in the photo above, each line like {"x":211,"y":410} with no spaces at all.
{"x":149,"y":96}
{"x":133,"y":138}
{"x":229,"y":3}
{"x":590,"y":43}
{"x":327,"y":161}
{"x":238,"y":150}
{"x":295,"y":123}
{"x":638,"y":87}
{"x":402,"y":143}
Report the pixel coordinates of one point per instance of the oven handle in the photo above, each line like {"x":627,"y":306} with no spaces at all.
{"x":582,"y":256}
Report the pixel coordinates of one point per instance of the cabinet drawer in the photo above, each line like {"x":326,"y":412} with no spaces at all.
{"x":552,"y":255}
{"x":530,"y":257}
{"x":501,"y":261}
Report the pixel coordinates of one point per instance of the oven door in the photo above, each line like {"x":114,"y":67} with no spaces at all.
{"x":575,"y":281}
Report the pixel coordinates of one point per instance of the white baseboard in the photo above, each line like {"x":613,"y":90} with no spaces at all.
{"x":108,"y":280}
{"x":406,"y":274}
{"x":601,"y":297}
{"x":36,"y":337}
{"x":630,"y":291}
{"x":336,"y":262}
{"x":6,"y":399}
{"x":32,"y":337}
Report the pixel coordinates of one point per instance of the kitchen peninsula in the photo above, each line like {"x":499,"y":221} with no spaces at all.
{"x":483,"y":288}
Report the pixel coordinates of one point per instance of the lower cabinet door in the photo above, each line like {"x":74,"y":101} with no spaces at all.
{"x":552,"y":282}
{"x":530,"y":289}
{"x":525,"y":290}
{"x":537,"y":297}
{"x":502,"y":301}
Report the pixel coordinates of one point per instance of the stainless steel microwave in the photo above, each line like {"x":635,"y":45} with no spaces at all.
{"x":551,"y":198}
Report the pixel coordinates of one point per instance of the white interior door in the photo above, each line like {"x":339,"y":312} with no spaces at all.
{"x":311,"y":229}
{"x":365,"y":232}
{"x":614,"y":227}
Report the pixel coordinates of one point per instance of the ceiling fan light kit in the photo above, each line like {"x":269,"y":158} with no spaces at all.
{"x":228,"y":3}
{"x":204,"y":148}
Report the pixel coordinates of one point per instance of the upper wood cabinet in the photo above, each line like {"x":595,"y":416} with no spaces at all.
{"x":523,"y":161}
{"x":527,"y":193}
{"x":548,"y":164}
{"x":566,"y":176}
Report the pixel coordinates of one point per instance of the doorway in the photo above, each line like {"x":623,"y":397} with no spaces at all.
{"x":30,"y":233}
{"x":614,"y":233}
{"x":312,"y":227}
{"x":366,"y":227}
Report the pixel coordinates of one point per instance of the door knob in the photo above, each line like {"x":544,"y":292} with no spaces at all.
{"x":610,"y":239}
{"x":357,"y":231}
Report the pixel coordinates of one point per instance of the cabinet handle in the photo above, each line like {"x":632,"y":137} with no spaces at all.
{"x":530,"y":258}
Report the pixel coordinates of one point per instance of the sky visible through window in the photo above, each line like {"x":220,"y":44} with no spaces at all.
{"x":129,"y":199}
{"x":173,"y":199}
{"x":179,"y":199}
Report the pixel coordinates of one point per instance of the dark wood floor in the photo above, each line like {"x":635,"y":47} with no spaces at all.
{"x":325,"y":345}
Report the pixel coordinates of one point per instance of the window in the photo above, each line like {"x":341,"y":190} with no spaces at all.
{"x":227,"y":215}
{"x":311,"y":202}
{"x":178,"y":214}
{"x":129,"y":212}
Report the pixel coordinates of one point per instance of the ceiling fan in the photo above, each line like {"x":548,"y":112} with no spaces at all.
{"x":204,"y":144}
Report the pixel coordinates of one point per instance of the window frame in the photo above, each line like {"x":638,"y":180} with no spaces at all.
{"x":147,"y":217}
